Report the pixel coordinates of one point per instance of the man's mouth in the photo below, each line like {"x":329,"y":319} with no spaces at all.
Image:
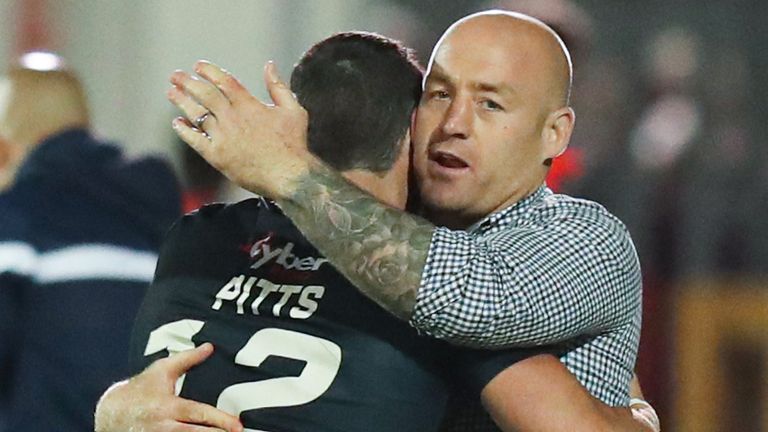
{"x":447,"y":160}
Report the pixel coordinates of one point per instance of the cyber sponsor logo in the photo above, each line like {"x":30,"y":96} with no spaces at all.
{"x":262,"y":252}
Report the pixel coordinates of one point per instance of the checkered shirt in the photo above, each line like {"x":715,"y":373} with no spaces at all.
{"x":550,"y":269}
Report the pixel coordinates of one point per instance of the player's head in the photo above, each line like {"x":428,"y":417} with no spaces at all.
{"x":359,"y":90}
{"x":38,"y":98}
{"x":493,"y":114}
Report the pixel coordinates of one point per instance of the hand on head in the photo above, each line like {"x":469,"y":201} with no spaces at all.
{"x":257,"y":145}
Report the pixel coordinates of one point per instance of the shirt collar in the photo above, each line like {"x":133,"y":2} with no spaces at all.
{"x":510,"y":215}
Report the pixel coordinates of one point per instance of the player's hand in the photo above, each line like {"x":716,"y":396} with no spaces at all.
{"x":261,"y":147}
{"x":147,"y":402}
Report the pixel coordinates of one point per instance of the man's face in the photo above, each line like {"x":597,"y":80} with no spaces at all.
{"x":477,"y":134}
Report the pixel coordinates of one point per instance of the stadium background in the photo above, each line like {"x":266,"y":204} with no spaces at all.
{"x":670,"y":102}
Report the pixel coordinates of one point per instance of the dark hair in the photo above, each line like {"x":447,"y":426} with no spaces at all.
{"x":359,"y":89}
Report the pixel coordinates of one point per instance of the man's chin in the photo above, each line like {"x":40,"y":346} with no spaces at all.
{"x":440,"y":203}
{"x":446,"y":212}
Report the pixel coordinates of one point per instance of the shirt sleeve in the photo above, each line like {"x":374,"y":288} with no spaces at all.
{"x":529,"y":285}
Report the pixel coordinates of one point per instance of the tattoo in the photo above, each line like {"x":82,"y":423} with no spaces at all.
{"x":381,"y":250}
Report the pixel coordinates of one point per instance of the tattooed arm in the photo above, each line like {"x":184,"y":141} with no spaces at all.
{"x":381,"y":250}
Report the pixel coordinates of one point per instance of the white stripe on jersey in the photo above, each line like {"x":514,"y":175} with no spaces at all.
{"x":17,"y":257}
{"x":81,"y":262}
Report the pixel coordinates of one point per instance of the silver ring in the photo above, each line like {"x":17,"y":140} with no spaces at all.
{"x":200,"y":120}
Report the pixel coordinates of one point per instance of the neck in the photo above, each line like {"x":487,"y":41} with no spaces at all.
{"x":460,"y":219}
{"x":448,"y":219}
{"x":386,"y":187}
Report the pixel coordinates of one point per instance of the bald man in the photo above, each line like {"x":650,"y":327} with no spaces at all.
{"x":34,"y":105}
{"x":506,"y":262}
{"x":79,"y":229}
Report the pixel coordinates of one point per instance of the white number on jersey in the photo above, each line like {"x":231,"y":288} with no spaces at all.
{"x":322,"y":357}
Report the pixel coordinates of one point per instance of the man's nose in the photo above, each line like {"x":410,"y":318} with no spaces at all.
{"x":458,"y":119}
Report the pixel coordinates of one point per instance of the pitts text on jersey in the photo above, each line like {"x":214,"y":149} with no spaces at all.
{"x":301,"y":300}
{"x":297,"y":347}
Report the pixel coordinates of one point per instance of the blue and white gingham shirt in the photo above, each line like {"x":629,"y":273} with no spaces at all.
{"x":550,"y":269}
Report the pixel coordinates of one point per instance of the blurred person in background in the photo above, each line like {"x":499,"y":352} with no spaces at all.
{"x":80,"y":226}
{"x":663,"y":142}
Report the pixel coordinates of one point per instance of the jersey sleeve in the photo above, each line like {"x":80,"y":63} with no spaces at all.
{"x":471,"y":369}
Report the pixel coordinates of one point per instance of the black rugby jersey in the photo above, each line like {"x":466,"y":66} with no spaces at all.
{"x":297,"y":348}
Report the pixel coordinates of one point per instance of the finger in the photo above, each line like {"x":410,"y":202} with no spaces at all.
{"x":192,"y":110}
{"x":205,"y":93}
{"x":184,"y":427}
{"x":279,"y":91}
{"x":177,"y":426}
{"x":178,"y":364}
{"x":203,"y":414}
{"x":227,"y":83}
{"x":195,"y":138}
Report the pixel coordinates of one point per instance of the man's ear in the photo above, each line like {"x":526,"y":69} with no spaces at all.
{"x":8,"y":164}
{"x":406,"y":149}
{"x":5,"y":153}
{"x":557,"y":133}
{"x":409,"y":134}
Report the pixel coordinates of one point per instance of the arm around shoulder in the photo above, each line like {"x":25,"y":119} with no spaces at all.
{"x":540,"y":394}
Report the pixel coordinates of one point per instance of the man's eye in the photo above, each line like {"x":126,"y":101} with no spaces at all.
{"x":491,"y":105}
{"x":439,"y":94}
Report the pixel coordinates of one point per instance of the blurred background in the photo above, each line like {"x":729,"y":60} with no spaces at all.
{"x":671,"y":118}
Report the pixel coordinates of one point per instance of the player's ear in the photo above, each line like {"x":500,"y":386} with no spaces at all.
{"x":405,"y":149}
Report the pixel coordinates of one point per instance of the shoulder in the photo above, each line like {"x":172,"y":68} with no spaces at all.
{"x":216,"y":235}
{"x":227,"y":216}
{"x":577,"y":214}
{"x":584,"y":227}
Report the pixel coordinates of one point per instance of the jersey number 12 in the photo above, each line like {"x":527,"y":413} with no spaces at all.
{"x":322,"y":358}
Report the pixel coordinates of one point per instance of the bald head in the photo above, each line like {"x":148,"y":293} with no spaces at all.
{"x":533,"y":51}
{"x":495,"y":99}
{"x":40,"y":103}
{"x":35,"y":104}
